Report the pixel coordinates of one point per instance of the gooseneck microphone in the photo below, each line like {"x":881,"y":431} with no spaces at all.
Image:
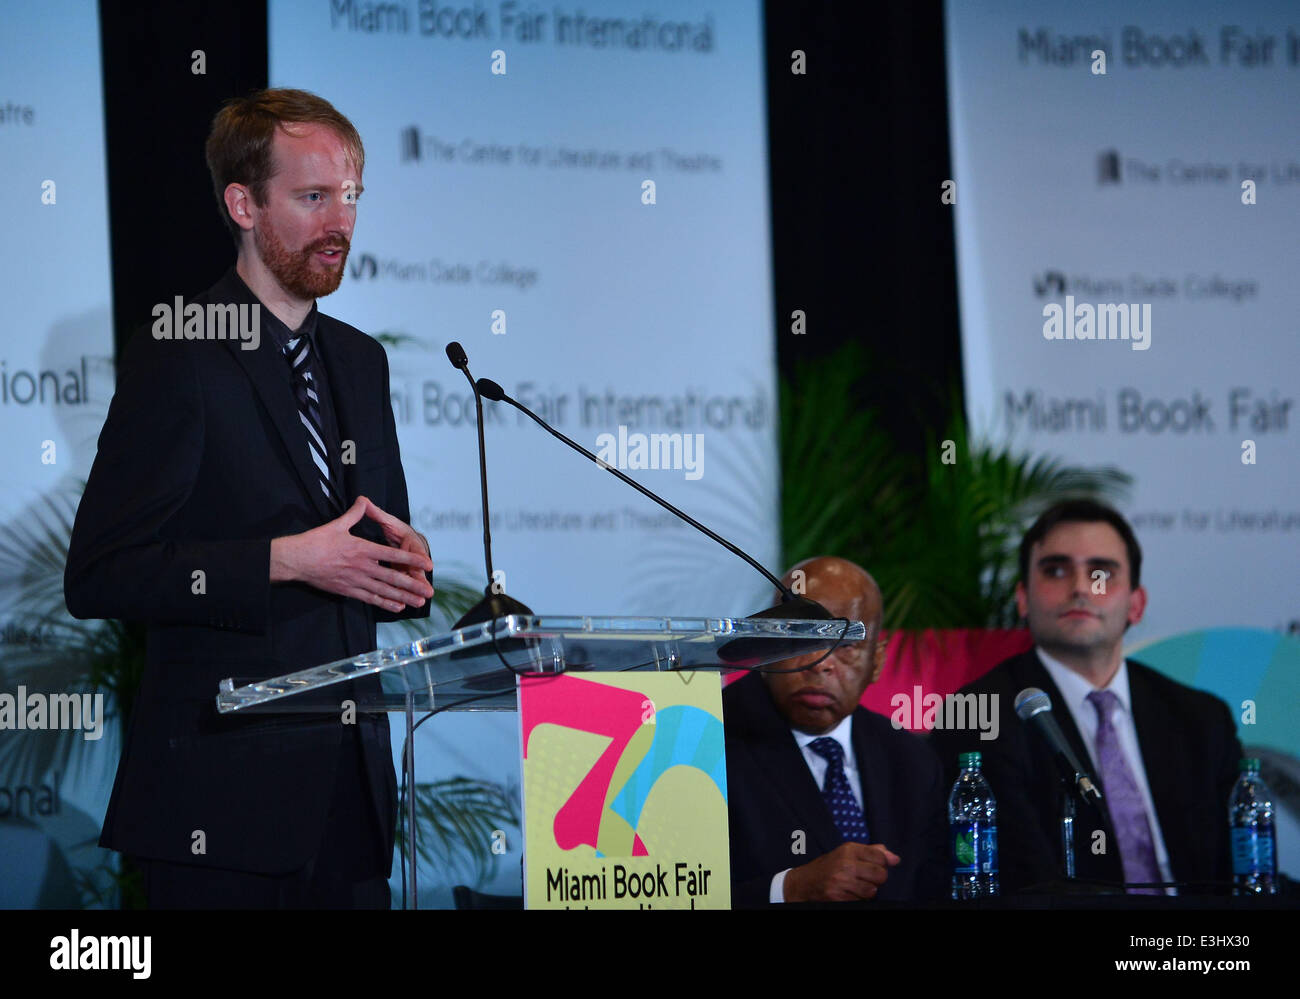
{"x":495,"y":603}
{"x":1034,"y":708}
{"x":792,"y":606}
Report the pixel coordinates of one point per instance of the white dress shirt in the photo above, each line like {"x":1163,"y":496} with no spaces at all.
{"x":843,"y":734}
{"x":1075,"y":690}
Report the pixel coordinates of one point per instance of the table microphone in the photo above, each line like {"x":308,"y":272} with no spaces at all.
{"x":1034,"y":708}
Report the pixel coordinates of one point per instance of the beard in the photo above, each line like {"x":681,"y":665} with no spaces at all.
{"x":297,"y":270}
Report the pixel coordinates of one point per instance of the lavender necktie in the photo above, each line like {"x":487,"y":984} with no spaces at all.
{"x":1128,"y":814}
{"x":849,"y":820}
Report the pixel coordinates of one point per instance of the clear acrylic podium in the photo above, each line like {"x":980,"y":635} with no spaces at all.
{"x":474,"y":668}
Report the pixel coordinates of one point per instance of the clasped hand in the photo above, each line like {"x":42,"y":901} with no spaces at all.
{"x":332,"y":559}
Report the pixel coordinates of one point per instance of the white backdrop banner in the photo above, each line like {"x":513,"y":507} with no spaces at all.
{"x":1126,"y":256}
{"x":56,"y":379}
{"x":580,"y":198}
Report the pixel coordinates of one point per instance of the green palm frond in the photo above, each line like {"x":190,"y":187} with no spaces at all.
{"x":451,"y":598}
{"x":455,"y":820}
{"x":64,"y":655}
{"x":841,"y":489}
{"x":50,"y":671}
{"x":939,"y":536}
{"x":33,"y":552}
{"x":397,"y":340}
{"x":109,"y":885}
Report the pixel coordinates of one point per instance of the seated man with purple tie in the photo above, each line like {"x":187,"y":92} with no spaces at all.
{"x":828,"y":801}
{"x":1164,"y":754}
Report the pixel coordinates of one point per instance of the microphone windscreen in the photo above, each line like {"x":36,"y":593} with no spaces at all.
{"x":489,"y":389}
{"x":456,"y":354}
{"x":1030,"y":702}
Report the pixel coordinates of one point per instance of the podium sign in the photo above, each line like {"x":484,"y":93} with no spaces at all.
{"x":624,"y":791}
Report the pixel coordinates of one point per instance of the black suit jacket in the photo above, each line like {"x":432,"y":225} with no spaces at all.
{"x":202,"y":461}
{"x":771,"y":795}
{"x":1189,"y":748}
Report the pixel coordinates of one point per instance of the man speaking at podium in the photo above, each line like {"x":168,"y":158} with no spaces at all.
{"x":248,"y":504}
{"x":827,"y":800}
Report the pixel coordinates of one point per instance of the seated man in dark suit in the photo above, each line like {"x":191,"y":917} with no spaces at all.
{"x":828,"y":801}
{"x":1164,"y":754}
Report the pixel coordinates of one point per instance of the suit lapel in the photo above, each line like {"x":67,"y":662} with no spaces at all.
{"x":267,"y":369}
{"x":344,"y":403}
{"x":793,"y":781}
{"x":1163,"y":768}
{"x":881,"y":825}
{"x":777,"y":755}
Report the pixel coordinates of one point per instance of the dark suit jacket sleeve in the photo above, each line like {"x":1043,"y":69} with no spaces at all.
{"x":922,"y":811}
{"x":1225,"y":776}
{"x":752,"y":868}
{"x":934,"y":873}
{"x":398,"y":502}
{"x":122,"y":563}
{"x":1231,"y":753}
{"x":753,"y":892}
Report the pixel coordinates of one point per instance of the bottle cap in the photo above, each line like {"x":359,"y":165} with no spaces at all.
{"x":1249,"y":765}
{"x":969,"y":759}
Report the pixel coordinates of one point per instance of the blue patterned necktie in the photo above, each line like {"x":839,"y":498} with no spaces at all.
{"x":848,"y":817}
{"x":299,"y":353}
{"x":1128,"y":814}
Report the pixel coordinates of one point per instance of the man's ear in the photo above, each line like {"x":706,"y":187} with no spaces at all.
{"x":878,"y":661}
{"x":1022,"y":601}
{"x":1137,"y":605}
{"x":239,"y":203}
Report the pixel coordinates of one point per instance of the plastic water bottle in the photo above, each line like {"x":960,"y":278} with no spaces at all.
{"x":973,"y":822}
{"x":1254,"y":842}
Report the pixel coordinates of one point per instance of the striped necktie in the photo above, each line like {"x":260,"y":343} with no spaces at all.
{"x":299,"y":353}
